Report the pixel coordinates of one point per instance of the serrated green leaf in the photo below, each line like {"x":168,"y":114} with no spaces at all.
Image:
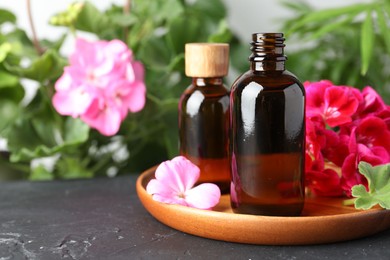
{"x":378,"y":178}
{"x":6,"y":16}
{"x":366,"y":43}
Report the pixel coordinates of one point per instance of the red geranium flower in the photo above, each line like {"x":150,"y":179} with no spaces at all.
{"x":343,"y":127}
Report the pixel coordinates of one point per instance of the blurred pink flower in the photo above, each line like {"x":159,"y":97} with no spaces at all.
{"x":101,"y":85}
{"x":174,"y":185}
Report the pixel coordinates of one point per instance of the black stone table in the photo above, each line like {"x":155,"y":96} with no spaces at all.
{"x":103,"y":219}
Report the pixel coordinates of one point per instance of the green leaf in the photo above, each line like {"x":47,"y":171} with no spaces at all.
{"x":48,"y":66}
{"x":70,"y":168}
{"x":366,"y":43}
{"x":383,"y":27}
{"x":7,"y":80}
{"x":124,"y":20}
{"x":75,"y":131}
{"x":169,"y":10}
{"x":327,"y":14}
{"x":7,"y":16}
{"x":378,"y":178}
{"x":330,"y":27}
{"x":223,"y":34}
{"x":35,"y":138}
{"x":40,"y":173}
{"x":5,"y":48}
{"x":181,"y":31}
{"x":9,"y":110}
{"x":297,"y":6}
{"x":155,"y":54}
{"x":214,"y":10}
{"x":11,"y":94}
{"x":90,"y":19}
{"x":56,"y":45}
{"x":170,"y":135}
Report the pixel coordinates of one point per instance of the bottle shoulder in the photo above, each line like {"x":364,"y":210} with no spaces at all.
{"x":272,"y":80}
{"x":208,"y":91}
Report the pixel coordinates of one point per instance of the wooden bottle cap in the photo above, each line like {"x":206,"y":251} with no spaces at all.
{"x":207,"y":59}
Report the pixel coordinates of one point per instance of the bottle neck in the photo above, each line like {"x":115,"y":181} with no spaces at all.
{"x":267,"y":52}
{"x":201,"y":82}
{"x":267,"y":66}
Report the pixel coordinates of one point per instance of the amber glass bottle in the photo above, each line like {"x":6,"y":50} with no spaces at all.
{"x":204,"y":112}
{"x":267,"y":124}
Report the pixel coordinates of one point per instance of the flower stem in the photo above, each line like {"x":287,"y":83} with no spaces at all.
{"x":349,"y":202}
{"x":34,"y":34}
{"x":126,"y":10}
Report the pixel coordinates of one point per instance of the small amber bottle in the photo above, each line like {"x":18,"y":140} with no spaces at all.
{"x":204,"y":112}
{"x":267,"y":133}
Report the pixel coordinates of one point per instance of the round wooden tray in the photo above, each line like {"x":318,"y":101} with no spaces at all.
{"x":324,"y":220}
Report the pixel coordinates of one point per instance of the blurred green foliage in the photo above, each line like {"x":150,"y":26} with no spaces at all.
{"x":348,"y":45}
{"x":156,"y":31}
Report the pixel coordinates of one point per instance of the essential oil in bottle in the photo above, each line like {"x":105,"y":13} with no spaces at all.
{"x":204,"y":112}
{"x":267,"y":105}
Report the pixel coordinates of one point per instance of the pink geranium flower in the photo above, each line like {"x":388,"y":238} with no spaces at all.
{"x":101,"y":85}
{"x":174,"y":185}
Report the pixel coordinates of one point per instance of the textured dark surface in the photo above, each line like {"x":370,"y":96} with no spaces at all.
{"x":103,"y":219}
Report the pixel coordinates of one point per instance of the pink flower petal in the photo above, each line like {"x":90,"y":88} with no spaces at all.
{"x":179,"y":174}
{"x":174,"y":182}
{"x":64,"y":83}
{"x":169,"y":199}
{"x":203,"y":196}
{"x":84,"y":54}
{"x":107,"y":121}
{"x":73,"y":102}
{"x":136,"y":99}
{"x":139,"y":71}
{"x":157,"y":187}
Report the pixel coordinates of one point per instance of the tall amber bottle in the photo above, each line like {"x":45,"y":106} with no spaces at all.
{"x":204,"y":112}
{"x":267,"y":124}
